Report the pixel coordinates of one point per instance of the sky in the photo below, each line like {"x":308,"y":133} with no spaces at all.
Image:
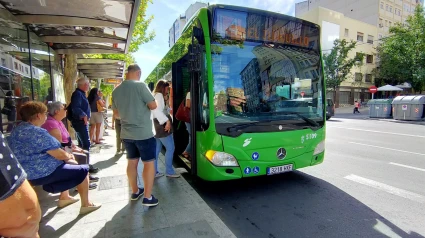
{"x":165,"y":12}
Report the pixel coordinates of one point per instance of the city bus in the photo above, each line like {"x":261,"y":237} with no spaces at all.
{"x":257,"y":90}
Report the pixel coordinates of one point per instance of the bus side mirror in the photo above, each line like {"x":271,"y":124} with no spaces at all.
{"x":151,"y":86}
{"x":195,"y":54}
{"x":199,"y":35}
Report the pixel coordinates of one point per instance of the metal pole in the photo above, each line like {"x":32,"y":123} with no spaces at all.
{"x":52,"y":86}
{"x":30,"y":61}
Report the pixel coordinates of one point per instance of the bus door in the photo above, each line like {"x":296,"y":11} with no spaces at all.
{"x":181,"y":87}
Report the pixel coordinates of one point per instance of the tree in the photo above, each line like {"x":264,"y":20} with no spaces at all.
{"x":338,"y":65}
{"x":402,"y":54}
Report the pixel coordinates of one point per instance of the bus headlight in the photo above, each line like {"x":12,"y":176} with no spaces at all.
{"x":319,"y":148}
{"x":221,"y":158}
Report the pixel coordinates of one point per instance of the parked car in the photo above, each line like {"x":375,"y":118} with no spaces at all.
{"x":330,"y":109}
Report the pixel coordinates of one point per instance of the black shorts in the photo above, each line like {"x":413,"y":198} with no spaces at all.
{"x":143,"y":149}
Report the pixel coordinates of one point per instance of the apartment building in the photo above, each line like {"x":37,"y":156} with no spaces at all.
{"x":381,"y":13}
{"x":335,"y":25}
{"x":177,"y":28}
{"x":365,"y":21}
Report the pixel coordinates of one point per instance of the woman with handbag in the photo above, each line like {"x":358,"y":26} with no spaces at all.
{"x":164,"y":130}
{"x":96,"y":114}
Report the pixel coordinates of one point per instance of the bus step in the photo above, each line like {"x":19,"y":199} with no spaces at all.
{"x":186,"y":161}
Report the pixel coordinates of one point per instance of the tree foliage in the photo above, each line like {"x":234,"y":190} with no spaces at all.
{"x":402,"y":54}
{"x":338,"y":64}
{"x":176,"y":52}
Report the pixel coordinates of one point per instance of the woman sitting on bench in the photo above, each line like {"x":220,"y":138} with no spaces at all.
{"x":44,"y":160}
{"x":57,"y":129}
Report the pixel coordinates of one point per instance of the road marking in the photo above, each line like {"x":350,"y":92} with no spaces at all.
{"x":385,"y":148}
{"x":382,"y":132}
{"x":386,"y":188}
{"x":407,"y":166}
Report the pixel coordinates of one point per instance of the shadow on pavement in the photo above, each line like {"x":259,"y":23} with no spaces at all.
{"x":108,"y":163}
{"x":292,"y":205}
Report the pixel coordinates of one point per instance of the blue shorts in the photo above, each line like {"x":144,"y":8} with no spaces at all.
{"x":143,"y":149}
{"x":65,"y":177}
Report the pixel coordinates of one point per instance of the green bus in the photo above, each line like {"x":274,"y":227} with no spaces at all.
{"x":257,"y":92}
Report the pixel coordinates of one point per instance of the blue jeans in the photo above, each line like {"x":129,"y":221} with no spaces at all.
{"x":168,"y":142}
{"x":189,"y":144}
{"x":82,"y":132}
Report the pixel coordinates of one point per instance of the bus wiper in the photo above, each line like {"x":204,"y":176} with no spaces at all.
{"x":306,"y":119}
{"x":244,"y":125}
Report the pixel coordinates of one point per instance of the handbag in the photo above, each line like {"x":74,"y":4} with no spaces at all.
{"x":183,"y":113}
{"x":159,"y":129}
{"x":6,"y":110}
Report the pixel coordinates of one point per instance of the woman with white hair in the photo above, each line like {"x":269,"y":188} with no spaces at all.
{"x":56,"y":128}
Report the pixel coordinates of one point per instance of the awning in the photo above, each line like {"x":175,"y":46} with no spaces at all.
{"x":79,"y":26}
{"x":388,"y":88}
{"x":101,"y":68}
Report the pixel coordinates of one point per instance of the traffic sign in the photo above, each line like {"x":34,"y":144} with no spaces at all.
{"x":373,"y":89}
{"x":302,"y":93}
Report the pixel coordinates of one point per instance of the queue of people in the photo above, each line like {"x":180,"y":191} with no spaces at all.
{"x":40,"y":151}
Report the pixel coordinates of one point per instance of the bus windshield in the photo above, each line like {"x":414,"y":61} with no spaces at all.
{"x":266,"y":68}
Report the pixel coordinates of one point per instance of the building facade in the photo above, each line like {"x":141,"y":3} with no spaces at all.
{"x":177,"y":28}
{"x":335,"y":25}
{"x":374,"y":12}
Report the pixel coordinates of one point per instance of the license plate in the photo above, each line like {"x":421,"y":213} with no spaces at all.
{"x":279,"y":169}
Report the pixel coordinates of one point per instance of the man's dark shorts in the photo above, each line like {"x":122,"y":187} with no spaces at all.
{"x":143,"y":149}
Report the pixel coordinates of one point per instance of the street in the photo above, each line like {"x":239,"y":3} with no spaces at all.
{"x":372,"y":184}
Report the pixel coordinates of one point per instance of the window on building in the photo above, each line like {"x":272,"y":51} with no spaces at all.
{"x":387,"y":7}
{"x":379,"y":36}
{"x":346,"y":33}
{"x":370,"y":39}
{"x":368,"y":78}
{"x":3,"y":62}
{"x":390,"y":23}
{"x":381,"y":22}
{"x":26,"y":70}
{"x":386,"y":23}
{"x":369,"y":59}
{"x":382,"y":5}
{"x":16,"y":65}
{"x":358,"y":77}
{"x":359,"y":56}
{"x":359,"y":37}
{"x":391,"y":9}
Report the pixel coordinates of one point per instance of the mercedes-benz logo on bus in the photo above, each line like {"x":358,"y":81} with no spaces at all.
{"x":281,"y":153}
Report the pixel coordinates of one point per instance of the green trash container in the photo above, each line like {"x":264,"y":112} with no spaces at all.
{"x":409,"y":108}
{"x":380,"y":108}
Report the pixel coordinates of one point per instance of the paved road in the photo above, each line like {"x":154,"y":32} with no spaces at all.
{"x":372,"y":184}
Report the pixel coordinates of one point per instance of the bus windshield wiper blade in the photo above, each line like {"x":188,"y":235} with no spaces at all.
{"x":244,"y":125}
{"x":306,"y":119}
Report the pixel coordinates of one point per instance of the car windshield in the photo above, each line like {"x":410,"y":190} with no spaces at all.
{"x":257,"y":80}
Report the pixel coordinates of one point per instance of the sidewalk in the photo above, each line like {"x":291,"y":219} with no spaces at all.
{"x":181,"y":211}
